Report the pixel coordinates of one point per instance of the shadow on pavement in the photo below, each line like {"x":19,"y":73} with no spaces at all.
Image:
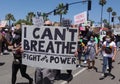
{"x":6,"y":53}
{"x":22,"y":83}
{"x":106,"y":75}
{"x":65,"y":77}
{"x":2,"y":63}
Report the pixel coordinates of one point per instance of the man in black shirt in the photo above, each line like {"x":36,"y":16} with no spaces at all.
{"x":17,"y":63}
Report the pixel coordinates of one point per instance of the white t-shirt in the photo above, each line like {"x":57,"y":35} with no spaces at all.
{"x":113,"y":45}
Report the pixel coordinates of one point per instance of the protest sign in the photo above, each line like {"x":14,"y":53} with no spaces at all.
{"x":3,"y":23}
{"x":80,"y":18}
{"x":49,"y":47}
{"x":38,"y":21}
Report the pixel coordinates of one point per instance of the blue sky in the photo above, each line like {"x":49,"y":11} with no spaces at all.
{"x":20,"y":8}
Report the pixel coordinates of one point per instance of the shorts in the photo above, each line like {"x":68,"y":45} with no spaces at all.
{"x":91,"y":57}
{"x":79,"y":56}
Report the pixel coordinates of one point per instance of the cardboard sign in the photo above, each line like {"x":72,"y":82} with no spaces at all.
{"x":80,"y":18}
{"x":49,"y":47}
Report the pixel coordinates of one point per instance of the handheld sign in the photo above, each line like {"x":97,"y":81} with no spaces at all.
{"x":49,"y":47}
{"x":38,"y":21}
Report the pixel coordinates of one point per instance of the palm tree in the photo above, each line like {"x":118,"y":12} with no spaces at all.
{"x":102,"y":3}
{"x":45,"y":16}
{"x":105,"y":21}
{"x":109,"y":10}
{"x":119,"y":19}
{"x":20,"y":21}
{"x":30,"y":16}
{"x":10,"y":18}
{"x":114,"y":14}
{"x":60,"y":10}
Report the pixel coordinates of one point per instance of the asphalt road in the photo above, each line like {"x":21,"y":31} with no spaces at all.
{"x":80,"y":76}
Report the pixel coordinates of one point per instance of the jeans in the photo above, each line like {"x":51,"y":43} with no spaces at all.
{"x":85,"y":55}
{"x":107,"y":61}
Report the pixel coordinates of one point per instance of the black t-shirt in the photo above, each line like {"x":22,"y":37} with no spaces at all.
{"x":17,"y":39}
{"x":85,"y":41}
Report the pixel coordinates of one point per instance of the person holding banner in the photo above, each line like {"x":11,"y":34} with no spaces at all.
{"x":17,"y":62}
{"x":44,"y":75}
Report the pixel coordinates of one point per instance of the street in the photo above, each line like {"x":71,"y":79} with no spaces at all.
{"x":80,"y":76}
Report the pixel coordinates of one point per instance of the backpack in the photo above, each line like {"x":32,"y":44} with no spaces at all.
{"x":80,"y":47}
{"x":108,"y":50}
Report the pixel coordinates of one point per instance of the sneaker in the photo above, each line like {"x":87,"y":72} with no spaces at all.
{"x":107,"y":68}
{"x":31,"y":81}
{"x":1,"y":53}
{"x":78,"y":66}
{"x":85,"y":62}
{"x":102,"y":77}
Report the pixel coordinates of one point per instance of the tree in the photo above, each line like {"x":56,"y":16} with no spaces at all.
{"x":119,"y":19}
{"x":109,"y":10}
{"x":102,"y":3}
{"x":10,"y":18}
{"x":20,"y":21}
{"x":60,"y":10}
{"x":114,"y":14}
{"x":106,"y":23}
{"x":45,"y":16}
{"x":30,"y":16}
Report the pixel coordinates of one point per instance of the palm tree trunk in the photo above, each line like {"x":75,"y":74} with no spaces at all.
{"x":60,"y":19}
{"x":9,"y":23}
{"x":101,"y":15}
{"x":113,"y":23}
{"x":109,"y":17}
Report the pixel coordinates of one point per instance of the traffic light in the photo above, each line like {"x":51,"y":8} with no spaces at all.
{"x":112,"y":20}
{"x":55,"y":12}
{"x":67,"y":6}
{"x":89,"y":4}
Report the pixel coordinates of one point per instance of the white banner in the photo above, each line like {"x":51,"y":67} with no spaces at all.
{"x":49,"y":47}
{"x":80,"y":18}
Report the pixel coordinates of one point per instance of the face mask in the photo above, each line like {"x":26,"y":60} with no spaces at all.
{"x":91,"y":39}
{"x":108,"y":39}
{"x":81,"y":37}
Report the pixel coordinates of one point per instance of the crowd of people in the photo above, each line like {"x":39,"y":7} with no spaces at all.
{"x":88,"y":47}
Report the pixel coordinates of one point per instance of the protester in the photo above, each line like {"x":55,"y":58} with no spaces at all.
{"x":80,"y":50}
{"x":44,"y":75}
{"x":109,"y":54}
{"x":17,"y":62}
{"x":118,"y":41}
{"x":3,"y":41}
{"x":91,"y":50}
